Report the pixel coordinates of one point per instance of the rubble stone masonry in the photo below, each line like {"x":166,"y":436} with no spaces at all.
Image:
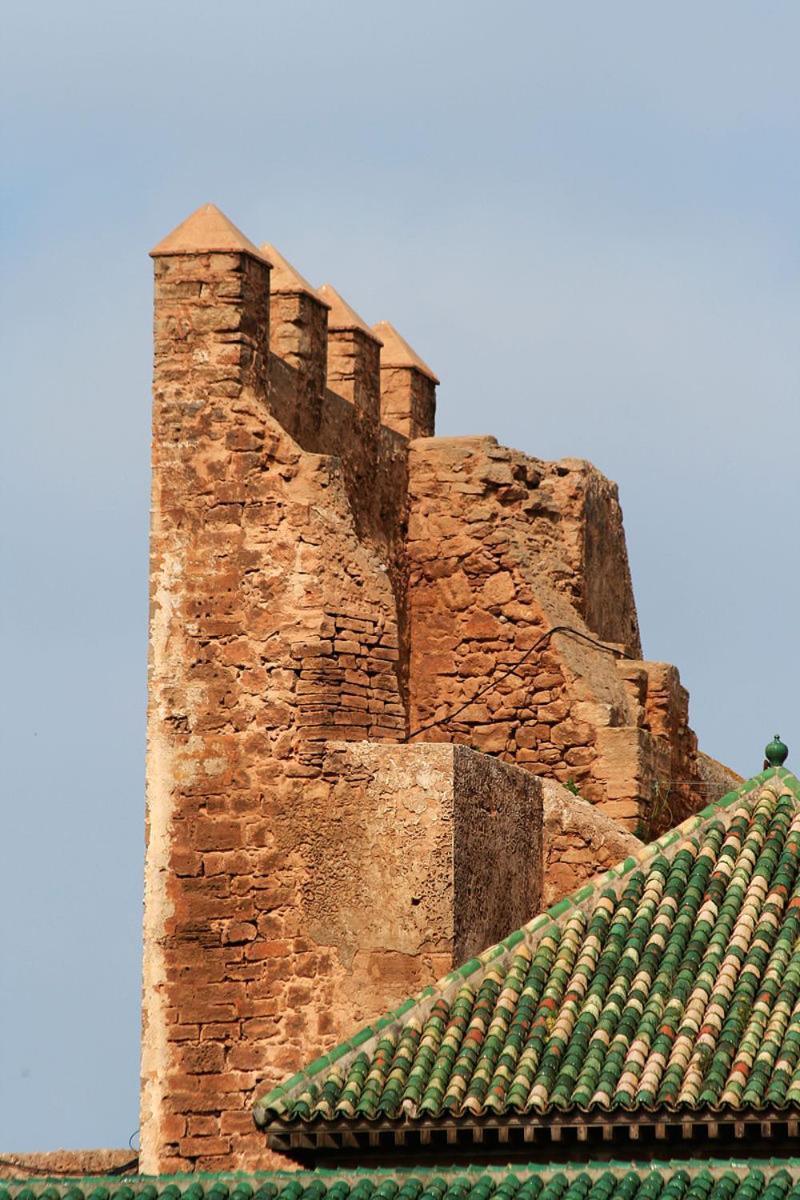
{"x":578,"y":841}
{"x":502,"y":550}
{"x":321,"y":587}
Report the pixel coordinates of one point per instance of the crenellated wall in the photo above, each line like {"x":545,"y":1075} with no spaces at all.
{"x":273,"y":630}
{"x":327,"y":578}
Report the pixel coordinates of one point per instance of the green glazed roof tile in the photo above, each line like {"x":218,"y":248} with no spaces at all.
{"x":673,"y":981}
{"x":766,"y":1179}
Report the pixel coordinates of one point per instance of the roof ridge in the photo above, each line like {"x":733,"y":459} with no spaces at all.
{"x":422,"y":1170}
{"x":529,"y":935}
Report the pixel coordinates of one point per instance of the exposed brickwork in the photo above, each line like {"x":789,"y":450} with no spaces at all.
{"x":317,"y":579}
{"x":353,"y":370}
{"x":496,"y":559}
{"x":353,"y":357}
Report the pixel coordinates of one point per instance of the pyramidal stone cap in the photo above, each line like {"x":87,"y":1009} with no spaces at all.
{"x":206,"y":231}
{"x":285,"y":278}
{"x":397,"y":352}
{"x":342,"y":316}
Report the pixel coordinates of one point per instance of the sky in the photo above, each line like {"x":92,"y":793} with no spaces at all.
{"x":583,"y":216}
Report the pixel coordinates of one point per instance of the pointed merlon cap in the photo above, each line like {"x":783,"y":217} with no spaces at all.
{"x":206,"y":231}
{"x":286,"y":279}
{"x":397,"y":352}
{"x":342,"y":316}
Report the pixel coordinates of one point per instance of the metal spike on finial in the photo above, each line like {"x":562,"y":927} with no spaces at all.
{"x":776,"y":752}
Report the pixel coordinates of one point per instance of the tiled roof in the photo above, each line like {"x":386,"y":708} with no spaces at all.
{"x":670,"y":983}
{"x":764,"y":1180}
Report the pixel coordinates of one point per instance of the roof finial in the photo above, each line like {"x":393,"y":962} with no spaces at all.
{"x":776,"y":752}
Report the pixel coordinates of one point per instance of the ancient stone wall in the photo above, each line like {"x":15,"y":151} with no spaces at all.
{"x":400,"y":877}
{"x":578,"y":842}
{"x":276,"y":610}
{"x":319,"y":584}
{"x":502,"y":550}
{"x":495,"y":546}
{"x":273,"y":630}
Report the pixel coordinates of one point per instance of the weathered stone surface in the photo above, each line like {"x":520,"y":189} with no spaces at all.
{"x":497,"y":850}
{"x":63,"y":1163}
{"x":353,"y":356}
{"x":416,"y":858}
{"x":716,"y":777}
{"x":578,"y":840}
{"x":274,"y":628}
{"x":318,"y":585}
{"x":408,"y":386}
{"x":502,"y":550}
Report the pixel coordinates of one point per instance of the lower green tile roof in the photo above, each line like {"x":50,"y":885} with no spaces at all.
{"x":724,"y":1180}
{"x":673,"y":982}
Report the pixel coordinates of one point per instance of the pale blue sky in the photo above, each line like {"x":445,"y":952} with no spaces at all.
{"x":584,"y":217}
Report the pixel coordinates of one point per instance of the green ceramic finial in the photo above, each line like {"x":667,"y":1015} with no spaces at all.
{"x":776,"y":752}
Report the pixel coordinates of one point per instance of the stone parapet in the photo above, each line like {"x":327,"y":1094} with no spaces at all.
{"x":408,"y":386}
{"x":353,"y":356}
{"x":299,"y":339}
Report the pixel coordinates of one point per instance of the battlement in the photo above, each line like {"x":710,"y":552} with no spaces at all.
{"x":314,"y":331}
{"x":333,"y":587}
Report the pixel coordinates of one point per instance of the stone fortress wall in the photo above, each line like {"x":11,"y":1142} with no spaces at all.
{"x":341,"y":601}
